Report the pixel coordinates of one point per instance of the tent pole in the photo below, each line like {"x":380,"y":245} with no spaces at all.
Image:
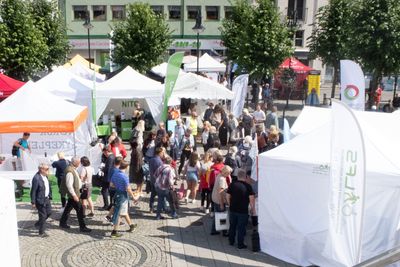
{"x":74,"y":143}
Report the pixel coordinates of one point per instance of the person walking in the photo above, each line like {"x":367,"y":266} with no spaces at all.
{"x":218,"y":195}
{"x":154,"y":164}
{"x":86,"y":174}
{"x":120,"y":182}
{"x":41,"y":196}
{"x":164,"y":185}
{"x":192,"y":173}
{"x":186,"y":146}
{"x":60,"y":165}
{"x":204,"y":180}
{"x":71,"y":185}
{"x":239,"y":195}
{"x":136,"y":175}
{"x":107,"y":170}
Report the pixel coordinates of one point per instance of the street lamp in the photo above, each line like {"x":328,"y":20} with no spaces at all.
{"x":292,"y":25}
{"x":87,"y":25}
{"x":198,"y":28}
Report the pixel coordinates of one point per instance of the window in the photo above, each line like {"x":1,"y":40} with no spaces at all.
{"x":118,"y":12}
{"x":192,"y":11}
{"x":299,"y":38}
{"x":79,"y":12}
{"x":228,"y":12}
{"x":99,"y":13}
{"x":158,"y":10}
{"x":296,"y":6}
{"x":212,"y":12}
{"x":174,"y":12}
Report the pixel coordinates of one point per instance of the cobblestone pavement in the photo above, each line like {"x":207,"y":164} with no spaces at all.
{"x":182,"y":242}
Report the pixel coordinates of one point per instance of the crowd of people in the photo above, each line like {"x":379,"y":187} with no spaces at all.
{"x":205,"y":159}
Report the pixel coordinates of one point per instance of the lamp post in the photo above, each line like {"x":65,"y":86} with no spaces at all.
{"x":87,"y":25}
{"x":198,"y":28}
{"x":292,"y":25}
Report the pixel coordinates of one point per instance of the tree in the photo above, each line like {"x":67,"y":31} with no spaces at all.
{"x":49,"y":20}
{"x":376,"y":38}
{"x":256,"y":38}
{"x":22,"y":46}
{"x":331,"y":35}
{"x":142,"y":39}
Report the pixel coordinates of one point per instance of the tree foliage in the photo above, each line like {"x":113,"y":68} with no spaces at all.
{"x":376,"y":36}
{"x":142,"y":39}
{"x":256,"y":38}
{"x":22,"y":46}
{"x":331,"y":38}
{"x":49,"y":20}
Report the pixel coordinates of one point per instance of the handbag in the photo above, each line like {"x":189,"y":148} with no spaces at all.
{"x":84,"y":192}
{"x":221,"y":221}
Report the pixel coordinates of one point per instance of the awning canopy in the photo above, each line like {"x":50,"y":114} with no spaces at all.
{"x":83,"y":61}
{"x":295,"y":64}
{"x":8,"y":85}
{"x":33,"y":110}
{"x":206,"y":64}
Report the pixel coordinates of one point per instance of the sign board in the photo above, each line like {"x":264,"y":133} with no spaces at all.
{"x":314,"y":81}
{"x":9,"y":245}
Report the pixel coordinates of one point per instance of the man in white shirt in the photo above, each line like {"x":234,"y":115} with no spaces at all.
{"x":71,"y":185}
{"x":259,"y":116}
{"x":41,"y":196}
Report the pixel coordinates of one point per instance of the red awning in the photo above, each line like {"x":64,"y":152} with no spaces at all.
{"x":8,"y":86}
{"x":295,"y":64}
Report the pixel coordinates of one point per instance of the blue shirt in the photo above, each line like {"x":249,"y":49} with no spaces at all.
{"x":154,"y":163}
{"x":24,"y":144}
{"x":120,"y":180}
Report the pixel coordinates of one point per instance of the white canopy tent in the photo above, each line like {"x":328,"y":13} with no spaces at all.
{"x":130,"y":84}
{"x":86,"y":73}
{"x":190,"y":85}
{"x":293,"y":202}
{"x":55,"y":124}
{"x":162,"y":70}
{"x":63,"y":83}
{"x":206,"y":64}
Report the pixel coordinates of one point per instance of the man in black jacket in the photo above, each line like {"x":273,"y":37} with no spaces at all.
{"x":108,"y":169}
{"x":41,"y":196}
{"x":60,"y":165}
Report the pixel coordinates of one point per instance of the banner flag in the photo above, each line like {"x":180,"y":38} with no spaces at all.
{"x":239,"y":89}
{"x":173,"y":68}
{"x":352,"y":84}
{"x":347,"y":186}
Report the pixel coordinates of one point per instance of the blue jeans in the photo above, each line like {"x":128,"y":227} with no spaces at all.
{"x":120,"y":197}
{"x":162,"y":195}
{"x":217,"y":208}
{"x":237,"y":222}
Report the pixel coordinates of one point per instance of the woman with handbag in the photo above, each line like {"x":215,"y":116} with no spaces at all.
{"x":86,"y":174}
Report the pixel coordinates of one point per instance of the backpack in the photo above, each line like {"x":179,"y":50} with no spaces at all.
{"x":15,"y":149}
{"x":134,"y":135}
{"x":231,"y":163}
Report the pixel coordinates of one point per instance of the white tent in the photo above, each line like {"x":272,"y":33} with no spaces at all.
{"x":162,"y":69}
{"x":86,"y":73}
{"x":206,"y":64}
{"x":293,"y":202}
{"x":36,"y":111}
{"x":190,"y":85}
{"x":130,"y":84}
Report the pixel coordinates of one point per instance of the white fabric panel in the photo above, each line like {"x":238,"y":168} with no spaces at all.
{"x":206,"y":64}
{"x":294,"y":191}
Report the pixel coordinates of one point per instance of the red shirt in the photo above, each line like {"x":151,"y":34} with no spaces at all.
{"x":215,"y":170}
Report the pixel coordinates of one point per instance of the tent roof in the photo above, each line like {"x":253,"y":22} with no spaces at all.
{"x":64,"y":83}
{"x":190,"y":85}
{"x":82,"y":60}
{"x":8,"y":85}
{"x":33,"y":110}
{"x":84,"y":72}
{"x":189,"y":59}
{"x":206,"y":64}
{"x":161,"y":69}
{"x":129,"y":84}
{"x":294,"y":64}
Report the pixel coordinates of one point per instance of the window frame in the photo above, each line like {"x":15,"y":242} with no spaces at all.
{"x":218,"y":13}
{"x":176,"y":9}
{"x":300,"y":39}
{"x":123,"y":12}
{"x":226,"y":8}
{"x":160,"y":12}
{"x":96,"y":18}
{"x":84,"y":10}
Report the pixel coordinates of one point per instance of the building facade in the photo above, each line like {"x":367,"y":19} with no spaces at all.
{"x":181,"y":16}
